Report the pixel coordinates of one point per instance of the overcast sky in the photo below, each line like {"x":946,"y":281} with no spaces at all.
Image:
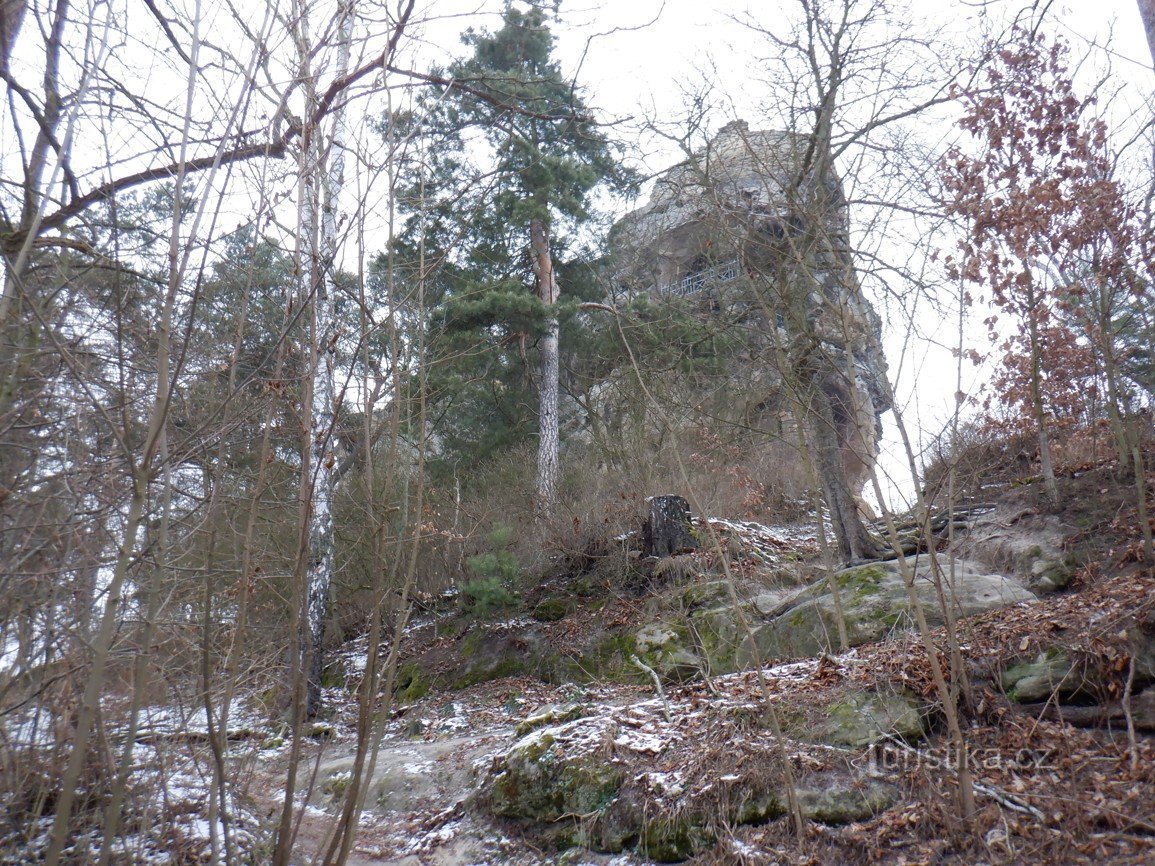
{"x":643,"y":72}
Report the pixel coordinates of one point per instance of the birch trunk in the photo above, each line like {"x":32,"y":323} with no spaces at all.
{"x":322,"y":225}
{"x":548,"y":446}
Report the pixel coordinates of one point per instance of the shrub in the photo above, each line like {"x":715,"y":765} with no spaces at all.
{"x":495,"y":573}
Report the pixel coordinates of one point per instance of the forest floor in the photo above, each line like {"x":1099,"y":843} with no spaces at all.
{"x":1061,"y":780}
{"x":1055,"y":782}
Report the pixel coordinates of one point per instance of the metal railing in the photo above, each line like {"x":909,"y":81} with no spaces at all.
{"x":693,"y":284}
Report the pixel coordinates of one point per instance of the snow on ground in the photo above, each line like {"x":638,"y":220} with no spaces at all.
{"x":773,"y":544}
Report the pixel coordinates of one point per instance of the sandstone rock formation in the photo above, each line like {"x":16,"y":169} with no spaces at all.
{"x":737,"y":223}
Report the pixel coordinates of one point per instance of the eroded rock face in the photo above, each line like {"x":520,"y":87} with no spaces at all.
{"x":1024,"y":543}
{"x":723,"y":225}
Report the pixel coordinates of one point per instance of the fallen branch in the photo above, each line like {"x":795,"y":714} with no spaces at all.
{"x":999,"y":796}
{"x":657,"y":685}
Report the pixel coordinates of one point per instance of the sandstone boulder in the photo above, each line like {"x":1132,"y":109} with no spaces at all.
{"x":875,"y":601}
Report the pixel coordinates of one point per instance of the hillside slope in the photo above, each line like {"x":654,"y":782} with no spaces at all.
{"x":515,"y":769}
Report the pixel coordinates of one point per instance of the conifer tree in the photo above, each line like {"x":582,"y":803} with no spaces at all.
{"x":512,"y":164}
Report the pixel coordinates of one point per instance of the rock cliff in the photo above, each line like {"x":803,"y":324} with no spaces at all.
{"x":746,"y":225}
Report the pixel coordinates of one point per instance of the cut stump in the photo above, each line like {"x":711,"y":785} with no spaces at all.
{"x":668,"y":530}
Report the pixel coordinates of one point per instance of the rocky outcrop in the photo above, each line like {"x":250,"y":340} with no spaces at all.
{"x":601,"y":782}
{"x":875,"y":601}
{"x":738,"y":222}
{"x":1023,"y":543}
{"x":1087,"y":686}
{"x":692,"y":626}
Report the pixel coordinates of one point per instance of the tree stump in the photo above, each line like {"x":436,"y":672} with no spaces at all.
{"x":668,"y":530}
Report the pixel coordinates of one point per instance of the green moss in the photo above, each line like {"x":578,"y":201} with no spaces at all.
{"x":759,"y":809}
{"x":320,"y":731}
{"x":1037,"y":680}
{"x":551,"y":610}
{"x":888,"y":618}
{"x":537,"y":747}
{"x":411,"y":686}
{"x":712,"y":592}
{"x":610,"y":658}
{"x":509,"y":665}
{"x":861,"y":717}
{"x":336,"y":785}
{"x":718,"y":638}
{"x":333,"y":677}
{"x":842,"y":805}
{"x":672,"y":839}
{"x":544,"y":784}
{"x":863,"y":578}
{"x":471,"y":642}
{"x":553,"y":716}
{"x":584,"y":587}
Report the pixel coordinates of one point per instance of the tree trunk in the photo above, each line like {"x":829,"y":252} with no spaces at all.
{"x":1147,"y":13}
{"x":854,"y":542}
{"x":668,"y":530}
{"x":322,"y":263}
{"x":1037,"y":406}
{"x":548,"y":446}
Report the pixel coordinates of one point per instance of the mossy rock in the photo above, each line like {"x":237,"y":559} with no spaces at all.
{"x":1141,"y":643}
{"x":760,"y":807}
{"x":411,"y":685}
{"x":322,"y":731}
{"x":770,"y":601}
{"x":334,"y":787}
{"x":844,"y":801}
{"x":493,"y":653}
{"x":552,"y":609}
{"x":556,"y":772}
{"x":670,"y":649}
{"x":674,"y":838}
{"x":606,"y":658}
{"x":554,"y":715}
{"x":708,"y":594}
{"x":859,"y":717}
{"x":674,"y":834}
{"x":875,"y":601}
{"x":1051,"y":673}
{"x":1052,"y":575}
{"x":720,"y":635}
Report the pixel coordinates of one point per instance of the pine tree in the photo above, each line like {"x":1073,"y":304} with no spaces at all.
{"x":511,"y":167}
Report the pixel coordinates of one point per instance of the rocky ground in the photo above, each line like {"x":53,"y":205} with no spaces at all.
{"x":618,"y":720}
{"x":635,"y":710}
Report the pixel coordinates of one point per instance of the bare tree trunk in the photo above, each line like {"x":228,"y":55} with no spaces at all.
{"x":313,"y":569}
{"x":1147,"y":13}
{"x":548,"y":446}
{"x":854,"y":542}
{"x":323,"y":253}
{"x":1037,"y":406}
